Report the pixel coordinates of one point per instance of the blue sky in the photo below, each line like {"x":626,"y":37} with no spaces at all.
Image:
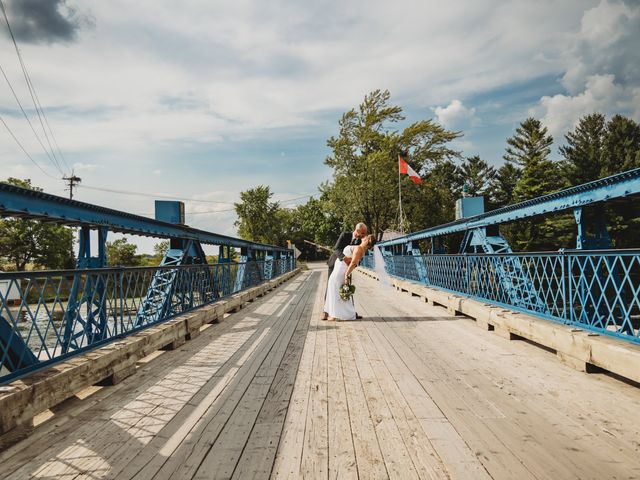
{"x":203,"y":99}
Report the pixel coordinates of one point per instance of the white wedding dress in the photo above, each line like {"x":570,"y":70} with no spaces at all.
{"x":334,"y":305}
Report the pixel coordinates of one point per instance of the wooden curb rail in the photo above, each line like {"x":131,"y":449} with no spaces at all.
{"x":583,"y":350}
{"x":25,"y":398}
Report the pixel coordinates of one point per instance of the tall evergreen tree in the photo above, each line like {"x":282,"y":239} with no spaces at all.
{"x":530,"y":148}
{"x":530,"y":141}
{"x":477,"y":175}
{"x":503,"y":185}
{"x":584,"y":150}
{"x":621,"y":146}
{"x":621,"y":151}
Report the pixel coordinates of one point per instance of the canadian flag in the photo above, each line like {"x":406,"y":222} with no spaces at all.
{"x":405,"y":168}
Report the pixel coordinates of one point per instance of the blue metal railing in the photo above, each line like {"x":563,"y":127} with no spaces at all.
{"x":595,"y":290}
{"x":47,"y":316}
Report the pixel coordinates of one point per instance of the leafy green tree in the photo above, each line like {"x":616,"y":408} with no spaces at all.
{"x":28,"y":241}
{"x":318,"y":222}
{"x":364,"y":159}
{"x":160,"y":250}
{"x":257,"y":216}
{"x":122,"y":253}
{"x":583,"y":152}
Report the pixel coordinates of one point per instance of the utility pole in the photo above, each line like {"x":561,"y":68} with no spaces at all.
{"x":73,"y":181}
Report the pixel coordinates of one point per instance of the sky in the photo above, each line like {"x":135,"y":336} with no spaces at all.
{"x":203,"y":99}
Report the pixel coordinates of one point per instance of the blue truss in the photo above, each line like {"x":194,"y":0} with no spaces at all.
{"x":170,"y":290}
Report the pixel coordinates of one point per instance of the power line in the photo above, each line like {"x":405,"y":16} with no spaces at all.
{"x":32,"y":92}
{"x":24,"y":150}
{"x":27,"y":117}
{"x":150,"y":195}
{"x":227,"y":210}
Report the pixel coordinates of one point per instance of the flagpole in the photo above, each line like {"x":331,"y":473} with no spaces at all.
{"x":400,"y":222}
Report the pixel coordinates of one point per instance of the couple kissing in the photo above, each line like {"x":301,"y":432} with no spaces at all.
{"x":347,"y":253}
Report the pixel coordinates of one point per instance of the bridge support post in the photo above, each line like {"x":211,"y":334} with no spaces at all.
{"x":421,"y":268}
{"x":223,"y":271}
{"x":79,"y":331}
{"x":171,"y":289}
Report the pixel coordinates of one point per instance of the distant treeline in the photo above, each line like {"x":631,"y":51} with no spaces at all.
{"x":364,"y":187}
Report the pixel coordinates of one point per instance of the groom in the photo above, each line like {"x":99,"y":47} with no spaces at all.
{"x":346,"y":238}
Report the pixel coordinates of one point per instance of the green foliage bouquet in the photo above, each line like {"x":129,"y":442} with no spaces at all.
{"x":346,"y":291}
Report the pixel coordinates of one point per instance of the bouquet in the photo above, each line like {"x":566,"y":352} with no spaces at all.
{"x":346,"y":291}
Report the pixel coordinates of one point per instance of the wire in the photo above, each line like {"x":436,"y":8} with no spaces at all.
{"x":24,"y":150}
{"x":150,"y":195}
{"x":226,"y":210}
{"x":26,"y":116}
{"x":34,"y":95}
{"x":171,"y":197}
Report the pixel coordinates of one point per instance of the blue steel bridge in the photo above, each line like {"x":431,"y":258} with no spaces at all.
{"x":225,"y":370}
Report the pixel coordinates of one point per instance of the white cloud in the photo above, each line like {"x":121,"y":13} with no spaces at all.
{"x":152,"y":87}
{"x":454,"y":115}
{"x":601,"y":68}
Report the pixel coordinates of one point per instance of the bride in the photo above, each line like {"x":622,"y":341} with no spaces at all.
{"x":336,"y":308}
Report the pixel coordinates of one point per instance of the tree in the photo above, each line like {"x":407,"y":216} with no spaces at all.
{"x":529,"y":149}
{"x":621,"y":146}
{"x":584,"y":150}
{"x":503,"y":185}
{"x":29,"y":241}
{"x":364,"y":159}
{"x":318,"y":222}
{"x":122,"y":253}
{"x":160,"y":249}
{"x":620,"y":152}
{"x":433,"y":203}
{"x":257,"y":216}
{"x":477,"y":175}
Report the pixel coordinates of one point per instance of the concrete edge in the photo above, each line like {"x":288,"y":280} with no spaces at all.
{"x":27,"y":397}
{"x":583,"y":350}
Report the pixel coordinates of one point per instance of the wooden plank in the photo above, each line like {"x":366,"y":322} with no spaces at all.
{"x":225,"y":453}
{"x":502,"y":463}
{"x":258,"y":456}
{"x":315,"y":454}
{"x":185,"y":460}
{"x":184,"y":431}
{"x":342,"y":456}
{"x":422,"y":453}
{"x":394,"y":451}
{"x":370,"y":461}
{"x":288,"y":459}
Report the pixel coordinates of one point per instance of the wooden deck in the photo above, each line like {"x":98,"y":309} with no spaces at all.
{"x":407,"y":392}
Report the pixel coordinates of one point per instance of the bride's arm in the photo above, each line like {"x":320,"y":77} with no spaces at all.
{"x":357,"y":256}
